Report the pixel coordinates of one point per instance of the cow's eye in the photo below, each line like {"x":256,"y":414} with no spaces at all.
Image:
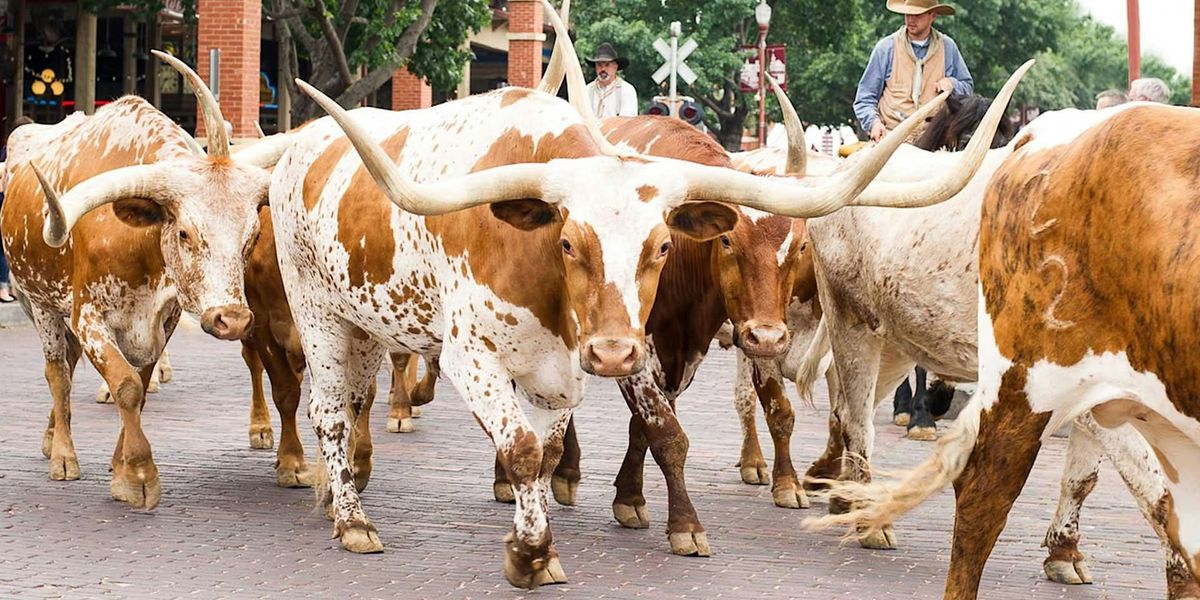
{"x":567,"y":248}
{"x":725,"y":241}
{"x":183,"y":236}
{"x":664,"y":249}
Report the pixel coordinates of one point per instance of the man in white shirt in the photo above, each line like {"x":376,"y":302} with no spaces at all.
{"x":610,"y":95}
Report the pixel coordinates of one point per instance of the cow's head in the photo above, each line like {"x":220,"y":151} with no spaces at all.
{"x":205,"y":205}
{"x":757,"y":265}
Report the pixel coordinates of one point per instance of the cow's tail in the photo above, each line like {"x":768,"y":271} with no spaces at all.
{"x":814,"y":363}
{"x":879,"y":503}
{"x":322,"y":491}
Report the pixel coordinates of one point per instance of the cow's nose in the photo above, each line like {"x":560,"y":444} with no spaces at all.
{"x":763,"y":339}
{"x":229,"y":322}
{"x":613,"y":357}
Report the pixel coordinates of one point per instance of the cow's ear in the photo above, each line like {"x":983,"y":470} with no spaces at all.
{"x":702,"y":221}
{"x":527,"y":214}
{"x":138,"y":212}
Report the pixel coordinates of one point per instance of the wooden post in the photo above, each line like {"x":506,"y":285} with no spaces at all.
{"x":464,"y":86}
{"x":1196,"y":57}
{"x":154,"y":42}
{"x":18,"y":84}
{"x":128,"y":54}
{"x":85,"y":61}
{"x":1135,"y":39}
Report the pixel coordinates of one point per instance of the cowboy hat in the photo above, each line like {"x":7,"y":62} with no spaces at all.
{"x":605,"y":52}
{"x":919,"y":7}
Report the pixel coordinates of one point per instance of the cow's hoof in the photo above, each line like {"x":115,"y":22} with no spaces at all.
{"x":295,"y":477}
{"x":404,"y":425}
{"x":263,"y":439}
{"x":48,"y":443}
{"x":503,"y":492}
{"x":153,"y":387}
{"x":416,"y":412}
{"x":880,"y":539}
{"x":689,"y":543}
{"x":631,"y":516}
{"x":64,"y":468}
{"x":103,"y":396}
{"x":901,"y":419}
{"x":791,"y":496}
{"x":1065,"y":571}
{"x":922,"y":434}
{"x":756,"y":475}
{"x":528,"y":566}
{"x":165,"y":374}
{"x":330,"y":514}
{"x":361,"y":540}
{"x":136,"y":494}
{"x":564,"y":490}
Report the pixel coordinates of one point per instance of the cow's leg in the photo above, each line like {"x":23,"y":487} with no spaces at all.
{"x":163,"y":371}
{"x":669,"y":445}
{"x":1005,"y":449}
{"x":61,"y":357}
{"x":342,"y":370}
{"x":781,"y":419}
{"x":362,"y":449}
{"x":528,"y":445}
{"x":291,"y":470}
{"x":921,"y":427}
{"x":1066,"y":564}
{"x":857,"y":354}
{"x":565,"y":481}
{"x":261,"y":435}
{"x":134,"y":474}
{"x":751,"y":463}
{"x":902,"y":404}
{"x":502,"y":489}
{"x":400,"y":406}
{"x":1134,"y":460}
{"x":829,"y":464}
{"x":629,"y":504}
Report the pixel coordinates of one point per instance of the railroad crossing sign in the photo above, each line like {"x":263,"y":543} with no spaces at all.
{"x":674,"y":67}
{"x":681,"y":53}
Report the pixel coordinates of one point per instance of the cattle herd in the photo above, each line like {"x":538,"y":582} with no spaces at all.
{"x":515,"y":245}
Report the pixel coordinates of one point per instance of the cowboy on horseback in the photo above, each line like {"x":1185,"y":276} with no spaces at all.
{"x":909,"y":68}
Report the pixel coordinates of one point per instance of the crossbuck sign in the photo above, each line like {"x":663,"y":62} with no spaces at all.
{"x":674,"y":55}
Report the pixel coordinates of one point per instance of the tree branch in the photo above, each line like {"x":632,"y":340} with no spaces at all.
{"x":346,"y":18}
{"x":720,"y":112}
{"x":361,"y":88}
{"x":334,"y":45}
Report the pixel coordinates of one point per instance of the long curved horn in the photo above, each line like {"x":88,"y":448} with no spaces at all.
{"x":214,"y":123}
{"x":556,"y":70}
{"x":511,"y":182}
{"x":772,"y":195}
{"x":797,"y":154}
{"x":576,"y":87}
{"x":952,"y":180}
{"x":139,"y":181}
{"x":263,"y":153}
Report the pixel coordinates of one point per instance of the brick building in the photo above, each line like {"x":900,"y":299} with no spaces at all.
{"x":62,"y":59}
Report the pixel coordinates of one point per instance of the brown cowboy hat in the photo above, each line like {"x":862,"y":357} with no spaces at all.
{"x":919,"y":7}
{"x":605,"y":52}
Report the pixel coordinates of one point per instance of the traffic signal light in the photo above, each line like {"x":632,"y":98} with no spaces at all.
{"x":689,"y":109}
{"x":658,"y":109}
{"x":691,"y":112}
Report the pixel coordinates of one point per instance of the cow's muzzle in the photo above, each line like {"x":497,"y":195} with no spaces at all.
{"x":228,"y":322}
{"x":613,"y":357}
{"x":762,"y":340}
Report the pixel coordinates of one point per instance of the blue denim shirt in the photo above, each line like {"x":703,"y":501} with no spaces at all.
{"x":879,"y":69}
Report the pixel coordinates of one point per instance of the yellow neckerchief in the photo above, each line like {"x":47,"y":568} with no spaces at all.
{"x":935,"y":41}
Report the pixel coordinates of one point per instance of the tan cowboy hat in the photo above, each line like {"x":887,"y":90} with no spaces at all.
{"x":919,"y":7}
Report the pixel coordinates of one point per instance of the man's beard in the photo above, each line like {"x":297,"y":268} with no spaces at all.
{"x":603,"y":76}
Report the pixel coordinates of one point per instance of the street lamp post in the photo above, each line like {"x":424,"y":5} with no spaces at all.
{"x":762,"y":14}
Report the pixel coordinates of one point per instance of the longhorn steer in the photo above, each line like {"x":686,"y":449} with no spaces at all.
{"x":533,"y":280}
{"x":146,"y":227}
{"x":1066,"y":328}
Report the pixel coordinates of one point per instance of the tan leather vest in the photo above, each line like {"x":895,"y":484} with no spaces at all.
{"x":896,"y":102}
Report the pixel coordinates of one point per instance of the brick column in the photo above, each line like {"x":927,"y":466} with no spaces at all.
{"x":235,"y":27}
{"x":525,"y":39}
{"x":410,"y":91}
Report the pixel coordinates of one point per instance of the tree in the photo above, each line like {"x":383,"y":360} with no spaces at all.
{"x":335,"y":39}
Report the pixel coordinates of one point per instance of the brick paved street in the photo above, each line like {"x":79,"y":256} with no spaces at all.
{"x":224,"y":529}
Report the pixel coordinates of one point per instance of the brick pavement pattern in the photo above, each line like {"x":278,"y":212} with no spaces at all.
{"x":224,"y":530}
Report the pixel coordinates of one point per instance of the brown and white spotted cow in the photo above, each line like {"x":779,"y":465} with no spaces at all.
{"x":148,"y":225}
{"x":1087,"y":299}
{"x":505,"y":261}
